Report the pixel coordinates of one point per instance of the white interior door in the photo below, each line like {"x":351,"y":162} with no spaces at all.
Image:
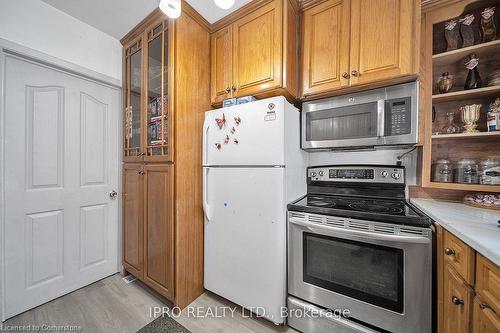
{"x":61,"y":163}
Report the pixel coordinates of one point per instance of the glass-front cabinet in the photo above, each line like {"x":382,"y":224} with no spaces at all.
{"x":147,"y":125}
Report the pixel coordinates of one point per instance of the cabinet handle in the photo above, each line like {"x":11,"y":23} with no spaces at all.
{"x":141,"y":173}
{"x":228,"y":90}
{"x":345,"y":75}
{"x":234,"y":88}
{"x":484,"y":306}
{"x":449,"y":252}
{"x":140,"y":154}
{"x":354,"y":73}
{"x":457,"y":301}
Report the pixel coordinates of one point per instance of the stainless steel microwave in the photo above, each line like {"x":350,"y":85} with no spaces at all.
{"x":379,"y":117}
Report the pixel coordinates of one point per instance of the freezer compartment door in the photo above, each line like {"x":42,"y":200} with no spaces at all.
{"x":247,"y":134}
{"x":245,"y":238}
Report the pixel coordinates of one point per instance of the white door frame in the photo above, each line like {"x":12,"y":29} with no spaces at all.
{"x":10,"y":49}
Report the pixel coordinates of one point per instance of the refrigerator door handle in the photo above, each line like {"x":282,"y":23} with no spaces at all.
{"x":206,"y":126}
{"x":206,"y":206}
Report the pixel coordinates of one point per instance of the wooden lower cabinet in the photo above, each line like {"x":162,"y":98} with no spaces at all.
{"x":485,"y":319}
{"x":148,"y":225}
{"x":133,"y":219}
{"x":468,"y":299}
{"x":159,"y":228}
{"x":457,"y":299}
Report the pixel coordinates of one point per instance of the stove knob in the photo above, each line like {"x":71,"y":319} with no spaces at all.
{"x":395,"y":175}
{"x":313,"y":174}
{"x":384,"y":174}
{"x":321,"y":173}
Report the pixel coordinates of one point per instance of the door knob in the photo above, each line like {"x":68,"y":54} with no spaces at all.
{"x":113,"y":194}
{"x":354,"y":73}
{"x":345,"y":75}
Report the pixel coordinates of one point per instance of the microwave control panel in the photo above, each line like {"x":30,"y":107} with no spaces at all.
{"x":398,"y":116}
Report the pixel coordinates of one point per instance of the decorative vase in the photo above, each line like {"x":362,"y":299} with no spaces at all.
{"x":445,"y":83}
{"x":470,"y":115}
{"x":450,"y":128}
{"x":473,"y":80}
{"x":466,"y":30}
{"x":488,"y":28}
{"x":451,"y":34}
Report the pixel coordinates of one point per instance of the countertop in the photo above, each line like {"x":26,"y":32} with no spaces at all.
{"x":477,"y":227}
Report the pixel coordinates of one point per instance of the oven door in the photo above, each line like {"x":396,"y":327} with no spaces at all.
{"x":357,"y":125}
{"x":380,"y":272}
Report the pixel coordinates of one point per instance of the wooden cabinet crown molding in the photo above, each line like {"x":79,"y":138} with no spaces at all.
{"x":157,"y":14}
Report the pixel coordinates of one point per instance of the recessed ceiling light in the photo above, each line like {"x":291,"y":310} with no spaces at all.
{"x":172,"y":8}
{"x":224,"y":4}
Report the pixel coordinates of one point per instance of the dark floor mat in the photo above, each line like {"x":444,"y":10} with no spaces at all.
{"x":164,"y":324}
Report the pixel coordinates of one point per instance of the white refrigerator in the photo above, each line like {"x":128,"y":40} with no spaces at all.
{"x":252,"y":167}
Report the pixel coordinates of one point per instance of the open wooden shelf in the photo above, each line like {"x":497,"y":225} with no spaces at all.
{"x":466,"y":94}
{"x":466,"y":135}
{"x":482,"y":50}
{"x":466,"y":187}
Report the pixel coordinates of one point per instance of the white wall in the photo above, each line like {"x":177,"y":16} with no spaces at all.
{"x":35,"y":24}
{"x":387,"y":157}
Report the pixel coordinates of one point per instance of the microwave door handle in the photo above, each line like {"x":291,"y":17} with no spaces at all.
{"x":380,"y":118}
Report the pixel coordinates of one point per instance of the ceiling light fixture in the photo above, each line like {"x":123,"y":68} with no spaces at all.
{"x":172,"y":8}
{"x":224,"y":4}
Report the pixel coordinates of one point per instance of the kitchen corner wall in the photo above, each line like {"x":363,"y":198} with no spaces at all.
{"x":387,"y":157}
{"x":35,"y":24}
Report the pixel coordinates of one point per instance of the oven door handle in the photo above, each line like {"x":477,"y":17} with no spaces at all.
{"x":380,"y":118}
{"x":335,"y":232}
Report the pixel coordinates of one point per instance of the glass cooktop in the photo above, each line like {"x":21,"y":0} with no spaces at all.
{"x":383,"y":210}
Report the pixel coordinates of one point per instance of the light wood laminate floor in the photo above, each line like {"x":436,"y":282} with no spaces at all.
{"x":113,"y":306}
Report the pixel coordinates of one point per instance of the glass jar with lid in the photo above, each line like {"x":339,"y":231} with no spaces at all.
{"x":467,"y":171}
{"x":443,"y":171}
{"x":489,"y":171}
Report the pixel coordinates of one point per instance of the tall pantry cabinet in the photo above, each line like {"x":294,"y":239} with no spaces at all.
{"x":163,"y":118}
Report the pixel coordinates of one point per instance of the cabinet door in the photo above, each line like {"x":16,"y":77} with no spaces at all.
{"x":457,"y":301}
{"x":133,"y":219}
{"x":159,"y":228}
{"x":382,"y":39}
{"x":221,"y":64}
{"x":257,"y":50}
{"x":325,"y":39}
{"x":488,"y":282}
{"x":158,"y":120}
{"x":133,"y":91}
{"x":485,"y":319}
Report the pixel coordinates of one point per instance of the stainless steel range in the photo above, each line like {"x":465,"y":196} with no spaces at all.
{"x":356,"y":244}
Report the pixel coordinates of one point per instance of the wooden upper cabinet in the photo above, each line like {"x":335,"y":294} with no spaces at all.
{"x":159,"y":228}
{"x":457,"y":303}
{"x":325,"y":42}
{"x":133,"y":218}
{"x":257,"y":40}
{"x":382,"y":39}
{"x":263,"y":55}
{"x":221,"y":64}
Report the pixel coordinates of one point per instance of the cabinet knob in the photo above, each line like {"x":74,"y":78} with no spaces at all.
{"x":141,"y":173}
{"x":345,"y":75}
{"x":355,"y":73}
{"x":484,"y":306}
{"x":449,"y":252}
{"x":457,"y":301}
{"x":228,"y":90}
{"x":234,"y":88}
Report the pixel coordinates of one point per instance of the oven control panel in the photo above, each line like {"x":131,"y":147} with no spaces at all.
{"x":357,"y":174}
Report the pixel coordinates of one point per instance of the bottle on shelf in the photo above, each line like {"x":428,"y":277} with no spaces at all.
{"x":473,"y":80}
{"x":450,"y":127}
